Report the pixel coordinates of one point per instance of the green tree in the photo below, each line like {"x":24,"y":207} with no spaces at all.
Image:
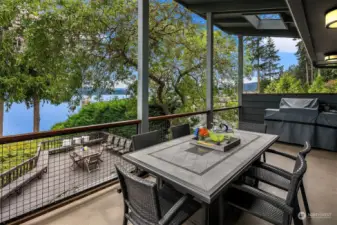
{"x":320,"y":86}
{"x":65,"y":44}
{"x":256,"y":48}
{"x":288,"y":83}
{"x":113,"y":111}
{"x":270,"y":60}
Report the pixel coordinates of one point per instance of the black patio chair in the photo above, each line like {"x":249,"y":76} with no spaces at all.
{"x":279,"y":177}
{"x":141,"y":141}
{"x":254,"y":127}
{"x":144,"y":204}
{"x":267,"y":206}
{"x":145,"y":140}
{"x":180,"y":131}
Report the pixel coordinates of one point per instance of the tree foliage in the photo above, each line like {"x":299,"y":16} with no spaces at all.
{"x":262,"y":54}
{"x":320,"y":86}
{"x":270,"y":60}
{"x":112,"y":111}
{"x":286,"y":84}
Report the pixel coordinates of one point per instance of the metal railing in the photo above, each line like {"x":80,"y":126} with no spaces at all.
{"x":65,"y":179}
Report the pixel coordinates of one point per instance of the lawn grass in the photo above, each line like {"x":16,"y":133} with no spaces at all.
{"x":15,"y":153}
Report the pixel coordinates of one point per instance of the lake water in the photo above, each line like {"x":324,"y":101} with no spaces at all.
{"x":19,"y":119}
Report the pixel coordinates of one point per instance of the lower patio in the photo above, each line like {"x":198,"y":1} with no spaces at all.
{"x":106,"y":206}
{"x":59,"y":182}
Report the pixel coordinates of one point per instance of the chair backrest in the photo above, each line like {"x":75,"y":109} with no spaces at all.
{"x":100,"y":148}
{"x":140,"y":196}
{"x":93,"y":159}
{"x":122,"y":142}
{"x":254,"y":127}
{"x":116,"y":140}
{"x":145,"y":140}
{"x":306,"y":149}
{"x":180,"y":131}
{"x":299,"y":170}
{"x":128,"y":145}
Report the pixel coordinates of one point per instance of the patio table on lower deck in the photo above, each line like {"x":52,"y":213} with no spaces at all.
{"x":204,"y":173}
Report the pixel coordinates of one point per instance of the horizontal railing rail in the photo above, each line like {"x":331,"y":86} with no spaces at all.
{"x":52,"y":133}
{"x":179,"y":115}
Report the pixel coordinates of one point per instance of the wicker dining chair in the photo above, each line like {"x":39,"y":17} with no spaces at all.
{"x":277,"y":176}
{"x":141,"y":141}
{"x":145,"y":140}
{"x":180,"y":131}
{"x":254,"y":127}
{"x":144,"y":204}
{"x":267,"y":206}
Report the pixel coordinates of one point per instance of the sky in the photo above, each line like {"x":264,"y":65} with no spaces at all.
{"x":287,"y":49}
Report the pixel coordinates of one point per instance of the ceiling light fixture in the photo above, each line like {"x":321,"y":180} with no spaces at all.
{"x":331,"y":18}
{"x":331,"y":57}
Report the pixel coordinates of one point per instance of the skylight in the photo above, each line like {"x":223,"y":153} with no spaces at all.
{"x":269,"y":16}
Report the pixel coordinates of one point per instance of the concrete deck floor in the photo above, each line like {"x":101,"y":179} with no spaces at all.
{"x":106,"y":207}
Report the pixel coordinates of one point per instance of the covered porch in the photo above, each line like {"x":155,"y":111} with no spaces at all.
{"x":241,"y":18}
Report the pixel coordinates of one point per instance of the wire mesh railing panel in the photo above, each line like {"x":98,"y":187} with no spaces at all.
{"x":165,"y":125}
{"x":230,"y":117}
{"x":38,"y":172}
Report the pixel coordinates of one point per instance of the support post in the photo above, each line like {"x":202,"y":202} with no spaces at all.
{"x":143,"y":65}
{"x":240,"y":75}
{"x":209,"y":73}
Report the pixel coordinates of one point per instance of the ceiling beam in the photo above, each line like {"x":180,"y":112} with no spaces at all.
{"x":242,"y":6}
{"x":251,"y":31}
{"x":242,"y":25}
{"x":298,"y":14}
{"x":230,"y":20}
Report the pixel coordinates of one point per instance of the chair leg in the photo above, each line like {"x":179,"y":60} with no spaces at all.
{"x":297,"y":220}
{"x":205,"y":219}
{"x":264,"y":157}
{"x":159,"y":183}
{"x":125,"y":221}
{"x":126,"y":210}
{"x":305,"y":200}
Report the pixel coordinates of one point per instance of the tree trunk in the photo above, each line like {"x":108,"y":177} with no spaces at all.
{"x":1,"y":116}
{"x":36,"y":102}
{"x":307,"y":72}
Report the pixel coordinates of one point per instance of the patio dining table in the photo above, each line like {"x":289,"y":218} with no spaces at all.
{"x":85,"y":153}
{"x":202,"y":172}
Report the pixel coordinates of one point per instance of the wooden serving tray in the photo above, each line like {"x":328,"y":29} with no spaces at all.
{"x":224,"y":146}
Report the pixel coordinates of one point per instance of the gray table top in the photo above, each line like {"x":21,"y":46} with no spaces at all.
{"x":83,"y":154}
{"x":202,"y":172}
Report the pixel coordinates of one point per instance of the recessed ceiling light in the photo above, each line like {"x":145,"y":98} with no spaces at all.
{"x":331,"y":18}
{"x":331,"y":57}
